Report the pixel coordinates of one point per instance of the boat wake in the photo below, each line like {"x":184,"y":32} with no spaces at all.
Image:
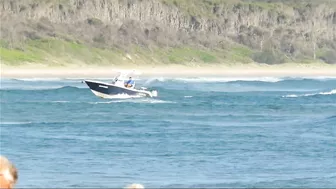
{"x":122,"y":96}
{"x":144,"y":101}
{"x":332,"y":92}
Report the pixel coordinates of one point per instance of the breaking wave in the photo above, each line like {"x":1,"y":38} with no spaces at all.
{"x":40,"y":88}
{"x":187,"y":79}
{"x":14,"y":123}
{"x":245,"y":80}
{"x":332,"y":92}
{"x":229,"y":79}
{"x":37,"y":79}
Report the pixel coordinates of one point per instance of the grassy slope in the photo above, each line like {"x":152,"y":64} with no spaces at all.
{"x":56,"y":52}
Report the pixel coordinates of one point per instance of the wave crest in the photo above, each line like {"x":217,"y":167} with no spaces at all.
{"x":332,"y":92}
{"x":229,"y":79}
{"x":39,"y":88}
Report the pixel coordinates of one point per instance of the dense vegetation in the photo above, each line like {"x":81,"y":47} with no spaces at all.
{"x":167,"y":31}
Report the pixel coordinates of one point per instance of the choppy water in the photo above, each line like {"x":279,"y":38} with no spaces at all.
{"x":199,"y":132}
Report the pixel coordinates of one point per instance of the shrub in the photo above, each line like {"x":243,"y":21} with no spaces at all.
{"x":268,"y":57}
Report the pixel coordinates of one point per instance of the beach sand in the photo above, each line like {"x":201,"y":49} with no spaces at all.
{"x":235,"y":70}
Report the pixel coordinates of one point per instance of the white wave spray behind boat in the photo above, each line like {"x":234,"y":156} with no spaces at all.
{"x":332,"y":92}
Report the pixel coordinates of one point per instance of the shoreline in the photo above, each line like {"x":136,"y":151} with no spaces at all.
{"x":247,"y":70}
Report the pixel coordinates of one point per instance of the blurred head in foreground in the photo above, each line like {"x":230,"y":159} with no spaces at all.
{"x":8,"y":173}
{"x":135,"y":186}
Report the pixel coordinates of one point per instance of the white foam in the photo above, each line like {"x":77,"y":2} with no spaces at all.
{"x":291,"y":96}
{"x":154,"y":101}
{"x":311,"y":94}
{"x":121,"y":96}
{"x":29,"y":87}
{"x":229,"y":79}
{"x":146,"y":101}
{"x":56,"y":101}
{"x":188,"y":96}
{"x":39,"y":79}
{"x":13,"y":123}
{"x":36,"y":87}
{"x":60,"y":101}
{"x":329,"y":93}
{"x":320,"y":77}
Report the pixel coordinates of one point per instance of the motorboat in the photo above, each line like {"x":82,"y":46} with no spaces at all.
{"x":118,"y":87}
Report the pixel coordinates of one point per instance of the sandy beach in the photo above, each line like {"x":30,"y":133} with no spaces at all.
{"x":243,"y":70}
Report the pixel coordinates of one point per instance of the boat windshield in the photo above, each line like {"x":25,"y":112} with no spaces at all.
{"x":124,"y":74}
{"x":121,"y":78}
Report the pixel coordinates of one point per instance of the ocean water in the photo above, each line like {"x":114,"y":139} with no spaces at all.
{"x":198,"y":132}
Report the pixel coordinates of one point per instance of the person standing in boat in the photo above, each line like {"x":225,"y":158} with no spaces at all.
{"x":129,"y":83}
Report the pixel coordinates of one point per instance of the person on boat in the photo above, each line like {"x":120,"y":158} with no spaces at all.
{"x":129,"y":83}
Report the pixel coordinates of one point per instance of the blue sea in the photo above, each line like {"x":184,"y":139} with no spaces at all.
{"x":198,"y":132}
